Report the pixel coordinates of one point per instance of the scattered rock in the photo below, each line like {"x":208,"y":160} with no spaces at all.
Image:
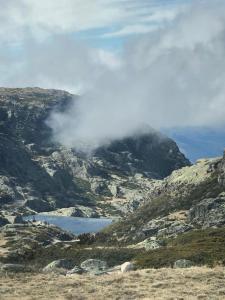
{"x":94,"y":266}
{"x":75,"y":270}
{"x":127,"y":267}
{"x":183,"y":263}
{"x":59,"y":265}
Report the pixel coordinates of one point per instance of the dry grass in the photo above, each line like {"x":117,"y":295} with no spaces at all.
{"x":193,"y":283}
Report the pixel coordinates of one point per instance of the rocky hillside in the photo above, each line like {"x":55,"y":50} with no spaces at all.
{"x":190,"y":199}
{"x":38,"y":175}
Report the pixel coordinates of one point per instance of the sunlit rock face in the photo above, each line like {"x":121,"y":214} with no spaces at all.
{"x":39,"y":174}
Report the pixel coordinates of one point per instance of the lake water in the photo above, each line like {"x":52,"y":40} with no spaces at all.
{"x":73,"y":224}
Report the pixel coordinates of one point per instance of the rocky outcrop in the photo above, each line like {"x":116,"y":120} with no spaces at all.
{"x":209,"y":212}
{"x":79,"y":211}
{"x":161,"y":227}
{"x":190,"y":198}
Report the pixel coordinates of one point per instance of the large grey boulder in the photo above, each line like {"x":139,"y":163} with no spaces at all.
{"x":94,"y":266}
{"x":58,"y":266}
{"x":183,"y":263}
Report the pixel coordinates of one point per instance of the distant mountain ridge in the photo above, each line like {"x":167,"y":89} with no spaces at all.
{"x":39,"y":175}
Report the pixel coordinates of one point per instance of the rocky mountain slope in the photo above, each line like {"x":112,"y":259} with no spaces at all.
{"x":39,"y":175}
{"x":171,"y":211}
{"x":190,"y":199}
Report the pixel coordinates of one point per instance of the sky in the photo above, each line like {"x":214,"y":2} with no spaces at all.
{"x":137,"y":64}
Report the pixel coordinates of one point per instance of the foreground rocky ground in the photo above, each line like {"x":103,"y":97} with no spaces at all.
{"x":192,"y":283}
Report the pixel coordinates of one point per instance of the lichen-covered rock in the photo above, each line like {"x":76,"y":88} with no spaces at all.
{"x":151,"y":244}
{"x":94,"y":266}
{"x":165,"y":227}
{"x":58,"y":265}
{"x":209,"y":212}
{"x":183,"y":263}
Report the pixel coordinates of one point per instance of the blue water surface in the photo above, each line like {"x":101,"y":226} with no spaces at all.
{"x":73,"y":224}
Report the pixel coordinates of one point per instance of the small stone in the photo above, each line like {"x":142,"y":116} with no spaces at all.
{"x":183,"y":263}
{"x":127,"y":267}
{"x":75,"y":270}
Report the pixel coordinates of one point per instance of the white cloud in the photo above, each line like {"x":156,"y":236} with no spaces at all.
{"x":43,"y":18}
{"x":60,"y":62}
{"x":172,"y":77}
{"x":131,"y":29}
{"x":155,"y":19}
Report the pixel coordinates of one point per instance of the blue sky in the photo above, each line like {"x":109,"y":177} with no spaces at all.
{"x":155,"y":62}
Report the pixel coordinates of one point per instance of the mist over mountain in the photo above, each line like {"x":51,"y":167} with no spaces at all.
{"x":172,"y":77}
{"x":38,"y":174}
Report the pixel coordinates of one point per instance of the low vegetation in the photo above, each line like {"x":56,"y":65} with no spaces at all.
{"x":161,"y":206}
{"x":188,"y":284}
{"x":203,"y":247}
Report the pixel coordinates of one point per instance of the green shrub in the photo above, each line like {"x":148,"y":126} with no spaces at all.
{"x":203,"y":247}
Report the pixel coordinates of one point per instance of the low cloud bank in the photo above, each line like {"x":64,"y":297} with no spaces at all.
{"x":171,"y":77}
